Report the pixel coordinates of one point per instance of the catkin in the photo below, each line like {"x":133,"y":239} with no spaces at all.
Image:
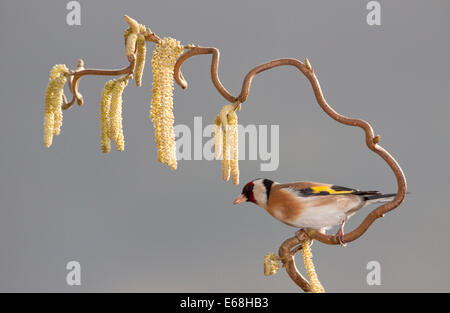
{"x":316,"y":286}
{"x":141,"y":51}
{"x":226,"y":142}
{"x":218,"y":139}
{"x":131,"y":44}
{"x":271,"y":264}
{"x":134,"y":25}
{"x":105,"y":107}
{"x":58,"y":117}
{"x":116,"y":131}
{"x":127,"y":32}
{"x":232,"y":141}
{"x":53,"y":101}
{"x":161,"y":110}
{"x":225,"y":155}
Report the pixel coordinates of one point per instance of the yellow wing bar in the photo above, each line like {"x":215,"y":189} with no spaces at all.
{"x":331,"y":190}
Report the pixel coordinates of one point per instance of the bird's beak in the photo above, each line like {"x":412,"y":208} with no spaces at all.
{"x":240,"y":199}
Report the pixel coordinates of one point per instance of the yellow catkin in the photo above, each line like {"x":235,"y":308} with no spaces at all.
{"x":53,"y":101}
{"x":226,"y":142}
{"x":223,"y":114}
{"x":141,"y":51}
{"x":134,"y":25}
{"x":120,"y":142}
{"x":127,"y":32}
{"x":116,"y":131}
{"x":58,"y":70}
{"x":161,"y":110}
{"x":225,"y":155}
{"x":218,"y":138}
{"x":271,"y":264}
{"x":105,"y":107}
{"x":144,"y":29}
{"x":131,"y":44}
{"x":233,"y":143}
{"x":316,"y":286}
{"x":58,"y":115}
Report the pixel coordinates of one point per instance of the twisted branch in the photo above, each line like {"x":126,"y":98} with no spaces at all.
{"x":285,"y":253}
{"x":214,"y":70}
{"x":74,"y":79}
{"x":80,"y":71}
{"x":371,"y":142}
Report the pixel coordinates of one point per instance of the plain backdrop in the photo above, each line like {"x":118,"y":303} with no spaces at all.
{"x":135,"y":225}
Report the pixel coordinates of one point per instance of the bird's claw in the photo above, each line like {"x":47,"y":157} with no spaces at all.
{"x":340,"y":238}
{"x":340,"y":235}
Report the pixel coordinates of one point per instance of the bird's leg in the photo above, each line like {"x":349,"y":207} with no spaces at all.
{"x":340,"y":234}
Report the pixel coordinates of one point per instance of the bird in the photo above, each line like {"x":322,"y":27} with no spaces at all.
{"x":307,"y":204}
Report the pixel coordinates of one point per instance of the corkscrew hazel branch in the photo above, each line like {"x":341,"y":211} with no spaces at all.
{"x":80,"y":71}
{"x":307,"y":70}
{"x":287,"y":253}
{"x":214,"y":70}
{"x":371,"y":142}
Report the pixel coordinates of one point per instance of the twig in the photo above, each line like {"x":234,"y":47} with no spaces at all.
{"x":74,"y":79}
{"x":214,"y":70}
{"x":80,"y":71}
{"x":287,"y":253}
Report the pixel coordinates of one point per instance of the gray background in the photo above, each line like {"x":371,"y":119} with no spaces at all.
{"x":135,"y":225}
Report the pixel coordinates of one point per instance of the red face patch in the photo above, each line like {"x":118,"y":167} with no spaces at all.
{"x":247,"y":191}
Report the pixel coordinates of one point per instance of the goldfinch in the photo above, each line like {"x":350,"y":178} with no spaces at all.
{"x":307,"y":204}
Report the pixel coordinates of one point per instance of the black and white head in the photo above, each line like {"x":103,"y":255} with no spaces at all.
{"x":256,"y":191}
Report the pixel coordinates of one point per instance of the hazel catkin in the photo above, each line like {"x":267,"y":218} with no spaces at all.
{"x":232,"y":141}
{"x":161,"y":110}
{"x":271,"y":264}
{"x":131,"y":44}
{"x":226,"y":142}
{"x":218,"y":139}
{"x":225,"y":155}
{"x":53,"y":101}
{"x":105,"y":107}
{"x":116,"y":130}
{"x":316,"y":286}
{"x":141,"y":51}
